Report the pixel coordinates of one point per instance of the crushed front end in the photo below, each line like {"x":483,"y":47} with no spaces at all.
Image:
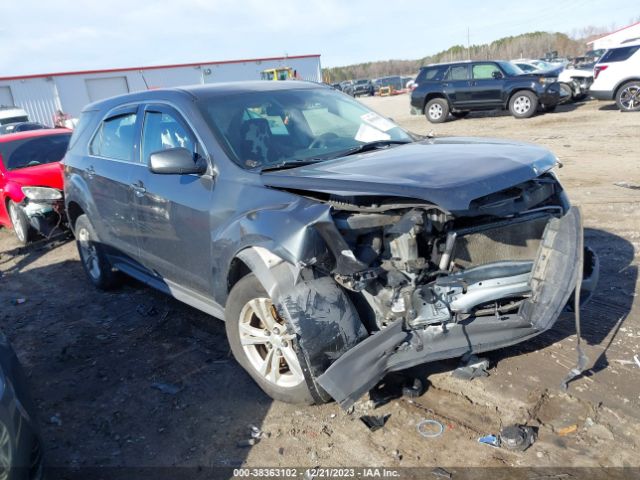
{"x":44,"y":209}
{"x":430,"y":284}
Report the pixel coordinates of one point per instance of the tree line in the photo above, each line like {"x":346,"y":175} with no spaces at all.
{"x":526,"y":45}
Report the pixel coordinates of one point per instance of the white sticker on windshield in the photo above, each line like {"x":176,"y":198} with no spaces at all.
{"x":368,"y":134}
{"x":375,"y":120}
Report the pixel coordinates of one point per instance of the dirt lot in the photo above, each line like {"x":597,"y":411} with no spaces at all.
{"x":134,"y":378}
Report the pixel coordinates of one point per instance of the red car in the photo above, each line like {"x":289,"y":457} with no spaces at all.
{"x":31,"y":181}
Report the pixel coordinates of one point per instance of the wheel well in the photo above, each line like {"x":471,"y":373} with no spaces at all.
{"x":430,"y":97}
{"x":237,"y":270}
{"x":73,"y":212}
{"x":622,"y":83}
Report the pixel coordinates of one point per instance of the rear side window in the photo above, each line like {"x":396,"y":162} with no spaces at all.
{"x":34,"y":151}
{"x":460,"y":72}
{"x":619,"y":54}
{"x":115,"y":138}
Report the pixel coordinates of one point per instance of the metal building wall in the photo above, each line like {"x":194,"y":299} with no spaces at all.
{"x":42,"y":96}
{"x":38,"y":96}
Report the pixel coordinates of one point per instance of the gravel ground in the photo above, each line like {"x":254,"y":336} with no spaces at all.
{"x":138,"y":379}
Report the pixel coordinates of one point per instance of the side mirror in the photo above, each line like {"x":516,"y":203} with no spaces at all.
{"x":175,"y":161}
{"x":497,"y":75}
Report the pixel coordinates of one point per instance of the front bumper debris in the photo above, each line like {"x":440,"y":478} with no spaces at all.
{"x":553,"y":279}
{"x":44,"y":217}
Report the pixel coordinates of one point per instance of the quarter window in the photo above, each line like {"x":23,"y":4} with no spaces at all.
{"x":619,"y":54}
{"x":115,"y":138}
{"x":162,"y":131}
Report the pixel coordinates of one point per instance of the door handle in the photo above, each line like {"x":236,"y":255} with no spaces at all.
{"x":90,"y":171}
{"x":445,"y":84}
{"x":138,"y":188}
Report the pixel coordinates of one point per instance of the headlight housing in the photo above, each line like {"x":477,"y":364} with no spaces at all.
{"x":39,"y":194}
{"x":548,"y":80}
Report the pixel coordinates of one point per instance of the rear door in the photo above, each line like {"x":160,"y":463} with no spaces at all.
{"x":172,"y":211}
{"x":485,"y":90}
{"x":456,"y":85}
{"x":113,"y":153}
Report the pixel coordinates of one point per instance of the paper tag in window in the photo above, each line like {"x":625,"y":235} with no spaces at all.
{"x":368,"y":134}
{"x":375,"y":120}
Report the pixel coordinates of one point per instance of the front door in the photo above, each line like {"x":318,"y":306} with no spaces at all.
{"x":172,"y":211}
{"x":487,"y":83}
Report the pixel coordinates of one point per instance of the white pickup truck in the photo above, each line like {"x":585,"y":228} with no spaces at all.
{"x":12,"y":115}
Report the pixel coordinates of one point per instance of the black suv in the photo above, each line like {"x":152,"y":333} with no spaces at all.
{"x":336,"y":246}
{"x":459,"y":88}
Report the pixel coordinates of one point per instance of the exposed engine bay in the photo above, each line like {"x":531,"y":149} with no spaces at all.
{"x":429,"y":267}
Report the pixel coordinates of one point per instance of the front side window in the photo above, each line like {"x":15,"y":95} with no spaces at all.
{"x":484,"y":71}
{"x":162,"y":131}
{"x":34,"y":151}
{"x":115,"y":138}
{"x":265,"y":128}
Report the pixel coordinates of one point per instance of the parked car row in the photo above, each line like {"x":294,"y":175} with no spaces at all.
{"x":390,"y":85}
{"x":525,"y":87}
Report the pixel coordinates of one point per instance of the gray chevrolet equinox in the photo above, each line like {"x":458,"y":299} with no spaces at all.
{"x":336,"y":246}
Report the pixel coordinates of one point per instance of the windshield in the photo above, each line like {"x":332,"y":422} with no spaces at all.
{"x":260,"y":129}
{"x":34,"y":151}
{"x":510,"y":69}
{"x":362,"y":82}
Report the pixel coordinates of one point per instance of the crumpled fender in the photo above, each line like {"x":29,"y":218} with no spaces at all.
{"x":316,"y":309}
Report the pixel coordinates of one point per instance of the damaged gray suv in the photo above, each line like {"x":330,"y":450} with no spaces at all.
{"x":336,"y":246}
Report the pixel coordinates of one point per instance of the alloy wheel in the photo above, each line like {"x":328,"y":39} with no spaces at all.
{"x":268,"y":345}
{"x":521,"y":105}
{"x":88,"y":253}
{"x":630,"y":97}
{"x":17,"y":224}
{"x":435,"y":111}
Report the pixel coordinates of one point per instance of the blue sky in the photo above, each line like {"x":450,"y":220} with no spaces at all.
{"x":60,"y":35}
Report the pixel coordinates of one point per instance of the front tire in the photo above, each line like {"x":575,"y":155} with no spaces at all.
{"x":628,"y":97}
{"x":566,"y":92}
{"x":21,"y":227}
{"x":436,"y":110}
{"x":92,"y":255}
{"x":523,"y":104}
{"x":264,"y":345}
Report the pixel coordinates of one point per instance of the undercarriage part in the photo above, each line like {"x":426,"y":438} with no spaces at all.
{"x":583,"y":360}
{"x":400,"y":346}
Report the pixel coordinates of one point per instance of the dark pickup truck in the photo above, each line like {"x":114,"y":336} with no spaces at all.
{"x":462,"y":87}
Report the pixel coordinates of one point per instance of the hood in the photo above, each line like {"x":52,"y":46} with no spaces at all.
{"x":448,"y":172}
{"x":47,"y":175}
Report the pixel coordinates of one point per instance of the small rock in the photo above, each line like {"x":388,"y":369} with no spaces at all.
{"x":281,"y":451}
{"x":166,"y":388}
{"x":56,"y":420}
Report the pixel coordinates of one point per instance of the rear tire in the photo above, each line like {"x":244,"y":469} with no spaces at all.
{"x":21,"y":226}
{"x":628,"y":97}
{"x":264,"y":345}
{"x":436,"y":110}
{"x":523,"y":104}
{"x":92,"y":256}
